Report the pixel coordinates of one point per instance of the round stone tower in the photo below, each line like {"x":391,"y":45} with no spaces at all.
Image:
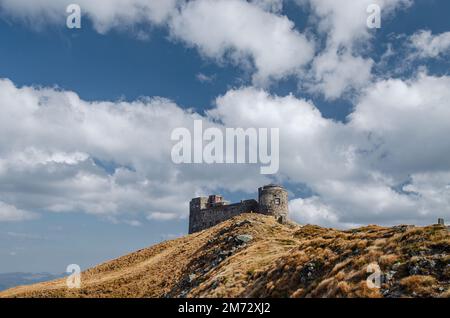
{"x":273,"y":200}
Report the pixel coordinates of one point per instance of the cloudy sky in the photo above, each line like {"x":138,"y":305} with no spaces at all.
{"x":86,"y":116}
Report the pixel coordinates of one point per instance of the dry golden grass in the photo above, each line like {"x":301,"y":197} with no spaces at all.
{"x":419,"y":284}
{"x":280,"y":261}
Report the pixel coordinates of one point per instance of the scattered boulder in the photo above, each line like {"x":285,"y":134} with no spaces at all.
{"x":402,"y":228}
{"x":243,"y":238}
{"x":192,"y":277}
{"x":421,"y":266}
{"x":244,"y":222}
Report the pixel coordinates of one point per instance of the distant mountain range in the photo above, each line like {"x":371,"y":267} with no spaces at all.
{"x":8,"y":280}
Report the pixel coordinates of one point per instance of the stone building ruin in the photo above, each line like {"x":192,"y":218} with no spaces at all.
{"x":205,"y":212}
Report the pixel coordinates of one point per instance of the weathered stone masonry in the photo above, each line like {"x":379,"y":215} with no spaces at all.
{"x":205,"y":212}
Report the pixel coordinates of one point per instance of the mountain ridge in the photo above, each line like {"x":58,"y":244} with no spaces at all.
{"x":252,"y":255}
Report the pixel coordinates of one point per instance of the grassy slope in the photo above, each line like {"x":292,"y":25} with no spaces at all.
{"x":280,"y":261}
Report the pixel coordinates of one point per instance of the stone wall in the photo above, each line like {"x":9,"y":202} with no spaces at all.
{"x":203,"y":219}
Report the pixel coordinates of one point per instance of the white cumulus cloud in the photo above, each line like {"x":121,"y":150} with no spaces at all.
{"x":9,"y":213}
{"x":388,"y":164}
{"x":244,"y":33}
{"x":340,"y":67}
{"x":105,"y":14}
{"x":427,"y":45}
{"x":59,"y":153}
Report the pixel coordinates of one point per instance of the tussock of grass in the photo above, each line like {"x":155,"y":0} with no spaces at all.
{"x":423,"y":286}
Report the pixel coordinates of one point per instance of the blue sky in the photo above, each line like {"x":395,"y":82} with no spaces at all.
{"x":103,"y":62}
